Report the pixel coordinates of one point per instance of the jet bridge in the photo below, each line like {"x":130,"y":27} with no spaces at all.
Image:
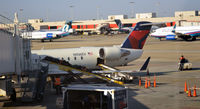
{"x":65,"y":66}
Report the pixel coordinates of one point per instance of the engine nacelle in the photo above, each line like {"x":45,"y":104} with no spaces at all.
{"x":110,"y":53}
{"x":171,"y":37}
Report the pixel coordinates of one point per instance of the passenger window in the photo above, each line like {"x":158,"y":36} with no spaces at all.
{"x":81,"y":58}
{"x":74,"y":58}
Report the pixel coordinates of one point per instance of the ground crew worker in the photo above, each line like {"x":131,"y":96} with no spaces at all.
{"x":182,"y":61}
{"x":57,"y":84}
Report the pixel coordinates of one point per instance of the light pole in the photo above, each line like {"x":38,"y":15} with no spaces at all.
{"x":132,"y":9}
{"x":21,"y":18}
{"x":71,"y":12}
{"x":157,"y":8}
{"x":97,"y":12}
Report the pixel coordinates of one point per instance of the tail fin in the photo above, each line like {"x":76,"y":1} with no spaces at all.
{"x":174,"y":29}
{"x":119,"y":23}
{"x":145,"y":65}
{"x":137,"y":37}
{"x":67,"y":26}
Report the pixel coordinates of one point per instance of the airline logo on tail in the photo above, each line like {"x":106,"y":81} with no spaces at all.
{"x":67,"y":26}
{"x":174,"y":31}
{"x":118,"y":22}
{"x":137,"y":37}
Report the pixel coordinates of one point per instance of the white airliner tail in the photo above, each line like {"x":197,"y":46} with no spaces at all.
{"x":67,"y":26}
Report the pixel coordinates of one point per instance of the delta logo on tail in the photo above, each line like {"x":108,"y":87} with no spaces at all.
{"x":136,"y":39}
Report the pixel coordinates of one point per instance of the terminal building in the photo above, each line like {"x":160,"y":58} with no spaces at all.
{"x":181,"y":18}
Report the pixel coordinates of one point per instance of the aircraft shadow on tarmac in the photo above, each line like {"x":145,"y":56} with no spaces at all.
{"x":179,"y":40}
{"x":67,"y":40}
{"x":143,"y":74}
{"x":133,"y":103}
{"x":46,"y":41}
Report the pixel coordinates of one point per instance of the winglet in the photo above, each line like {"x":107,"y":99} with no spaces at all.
{"x":145,"y":65}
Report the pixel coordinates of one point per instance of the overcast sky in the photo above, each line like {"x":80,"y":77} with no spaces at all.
{"x":59,"y":10}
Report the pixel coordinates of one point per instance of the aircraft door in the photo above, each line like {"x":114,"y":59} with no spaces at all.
{"x":100,"y":61}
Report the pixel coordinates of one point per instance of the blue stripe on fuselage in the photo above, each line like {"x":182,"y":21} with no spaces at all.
{"x":49,"y":35}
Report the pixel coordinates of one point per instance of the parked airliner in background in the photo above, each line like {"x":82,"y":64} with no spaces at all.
{"x":121,"y":27}
{"x":173,"y":33}
{"x":50,"y":35}
{"x":113,"y":56}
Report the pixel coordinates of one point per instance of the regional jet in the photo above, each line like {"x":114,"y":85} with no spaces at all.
{"x":91,"y":57}
{"x":50,"y":35}
{"x":173,"y":33}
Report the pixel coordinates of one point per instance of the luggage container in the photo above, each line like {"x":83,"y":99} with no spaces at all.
{"x":85,"y":96}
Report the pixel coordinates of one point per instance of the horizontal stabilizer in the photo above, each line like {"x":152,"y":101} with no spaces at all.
{"x":145,"y":65}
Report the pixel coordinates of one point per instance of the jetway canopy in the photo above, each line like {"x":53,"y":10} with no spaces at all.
{"x":15,"y":55}
{"x":7,"y":60}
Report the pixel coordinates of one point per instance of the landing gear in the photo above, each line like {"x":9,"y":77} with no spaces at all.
{"x":42,"y":40}
{"x":193,"y":38}
{"x":123,"y":79}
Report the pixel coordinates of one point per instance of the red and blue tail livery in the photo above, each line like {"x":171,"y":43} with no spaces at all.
{"x":137,"y":37}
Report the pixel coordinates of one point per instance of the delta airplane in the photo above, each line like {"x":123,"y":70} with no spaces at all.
{"x":121,"y":27}
{"x":90,"y":57}
{"x":50,"y":35}
{"x":172,"y":33}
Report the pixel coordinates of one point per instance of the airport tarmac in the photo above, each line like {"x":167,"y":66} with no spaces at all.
{"x":169,"y":93}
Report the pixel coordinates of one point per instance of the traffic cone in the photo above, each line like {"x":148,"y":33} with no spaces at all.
{"x":146,"y":86}
{"x":189,"y":92}
{"x":149,"y":83}
{"x":194,"y":92}
{"x":140,"y":83}
{"x":154,"y":83}
{"x":185,"y":87}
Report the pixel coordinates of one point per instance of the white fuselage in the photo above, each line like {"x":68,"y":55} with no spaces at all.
{"x":88,"y":56}
{"x":163,"y":32}
{"x":45,"y":34}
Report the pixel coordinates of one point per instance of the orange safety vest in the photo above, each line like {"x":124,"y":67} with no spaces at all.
{"x":57,"y":81}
